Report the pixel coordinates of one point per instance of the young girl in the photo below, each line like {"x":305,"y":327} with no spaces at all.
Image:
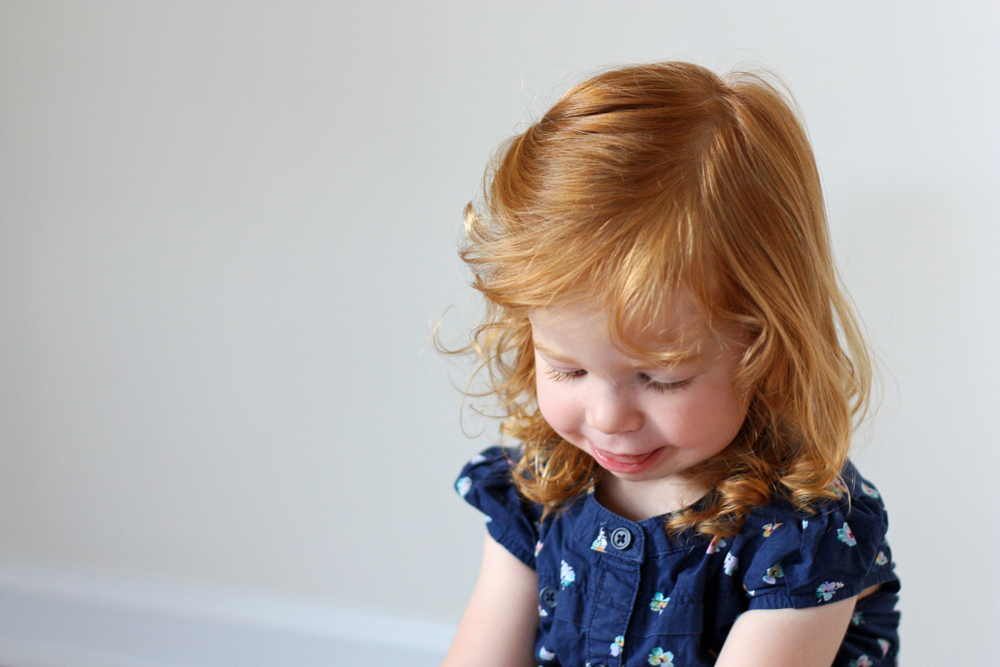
{"x":681,"y":373}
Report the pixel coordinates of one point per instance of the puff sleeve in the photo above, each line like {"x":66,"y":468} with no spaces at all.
{"x":796,"y":559}
{"x":486,"y":484}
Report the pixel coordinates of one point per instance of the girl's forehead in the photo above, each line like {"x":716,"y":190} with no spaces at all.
{"x":675,"y":331}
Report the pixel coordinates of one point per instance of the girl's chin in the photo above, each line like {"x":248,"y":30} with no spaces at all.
{"x":631,"y":464}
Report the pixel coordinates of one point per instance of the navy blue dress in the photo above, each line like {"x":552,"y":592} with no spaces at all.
{"x":615,"y":592}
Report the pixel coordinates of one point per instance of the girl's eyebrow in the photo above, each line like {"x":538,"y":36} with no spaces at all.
{"x":668,"y":359}
{"x":551,"y":354}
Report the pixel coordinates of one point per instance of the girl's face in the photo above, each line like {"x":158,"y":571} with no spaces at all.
{"x":643,"y":423}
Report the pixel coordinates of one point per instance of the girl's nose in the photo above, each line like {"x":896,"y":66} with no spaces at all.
{"x":611,"y":412}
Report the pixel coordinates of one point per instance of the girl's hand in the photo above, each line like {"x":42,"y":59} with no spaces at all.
{"x":787,"y":637}
{"x":499,"y":625}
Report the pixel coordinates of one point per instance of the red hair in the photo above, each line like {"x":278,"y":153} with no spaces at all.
{"x":651,"y":179}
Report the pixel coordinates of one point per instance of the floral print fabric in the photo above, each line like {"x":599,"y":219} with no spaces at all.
{"x":614,"y":592}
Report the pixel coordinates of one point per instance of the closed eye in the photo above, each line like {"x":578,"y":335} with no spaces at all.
{"x":563,"y":376}
{"x":664,"y":387}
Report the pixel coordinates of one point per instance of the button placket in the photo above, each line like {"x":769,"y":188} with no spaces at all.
{"x":619,"y":585}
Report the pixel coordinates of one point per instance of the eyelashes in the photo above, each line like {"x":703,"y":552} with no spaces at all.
{"x":564,"y":376}
{"x":662,"y":387}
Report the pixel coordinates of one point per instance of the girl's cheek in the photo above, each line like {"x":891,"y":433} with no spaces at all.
{"x":545,"y":402}
{"x":554,"y":405}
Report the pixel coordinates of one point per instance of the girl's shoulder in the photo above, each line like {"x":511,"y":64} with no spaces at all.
{"x":486,"y":483}
{"x":858,"y":503}
{"x":855,"y":496}
{"x":787,"y":556}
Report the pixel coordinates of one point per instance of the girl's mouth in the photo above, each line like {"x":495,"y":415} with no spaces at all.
{"x":626,"y":463}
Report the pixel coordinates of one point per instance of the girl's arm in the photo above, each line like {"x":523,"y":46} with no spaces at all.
{"x":787,"y":637}
{"x":499,"y":625}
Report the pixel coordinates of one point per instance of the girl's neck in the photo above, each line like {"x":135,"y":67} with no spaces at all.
{"x":638,"y":501}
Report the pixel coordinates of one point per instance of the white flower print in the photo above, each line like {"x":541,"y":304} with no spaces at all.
{"x":826,"y":590}
{"x":845,"y":535}
{"x":716,"y":544}
{"x":566,"y":574}
{"x":730,"y":564}
{"x":601,"y":542}
{"x":661,"y":657}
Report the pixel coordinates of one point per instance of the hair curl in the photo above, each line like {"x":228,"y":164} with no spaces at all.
{"x":646,"y":180}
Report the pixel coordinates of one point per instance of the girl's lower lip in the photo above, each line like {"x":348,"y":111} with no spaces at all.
{"x":626,"y":463}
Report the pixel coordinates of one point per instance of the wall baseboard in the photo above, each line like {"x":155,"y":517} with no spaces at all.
{"x":52,"y":617}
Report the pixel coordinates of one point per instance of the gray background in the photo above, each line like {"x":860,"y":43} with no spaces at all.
{"x":228,"y":229}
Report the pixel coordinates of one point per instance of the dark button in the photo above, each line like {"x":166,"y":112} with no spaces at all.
{"x":621,"y":538}
{"x":547,"y":597}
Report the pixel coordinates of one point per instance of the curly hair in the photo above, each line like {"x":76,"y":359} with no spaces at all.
{"x":645,"y":180}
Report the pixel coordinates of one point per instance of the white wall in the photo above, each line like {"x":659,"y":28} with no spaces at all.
{"x":226,"y":230}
